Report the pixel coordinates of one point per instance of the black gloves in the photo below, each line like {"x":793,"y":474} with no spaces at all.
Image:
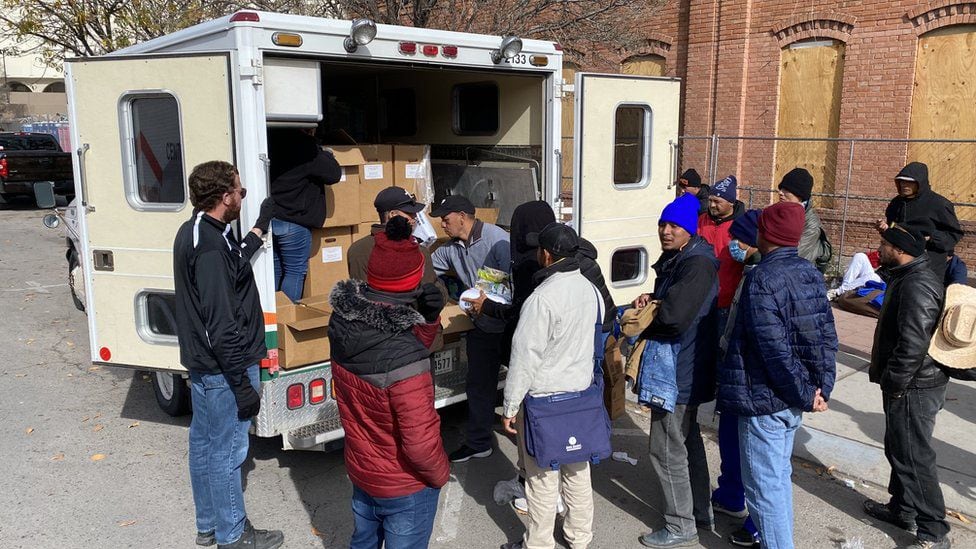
{"x":264,"y":217}
{"x":430,"y":302}
{"x":248,"y":400}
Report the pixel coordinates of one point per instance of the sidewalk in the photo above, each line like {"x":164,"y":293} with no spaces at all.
{"x":849,"y":438}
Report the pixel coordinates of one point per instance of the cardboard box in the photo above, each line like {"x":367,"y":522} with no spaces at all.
{"x":376,"y":174}
{"x":303,"y":330}
{"x":343,"y":198}
{"x":328,"y":262}
{"x":454,"y":320}
{"x":410,"y":163}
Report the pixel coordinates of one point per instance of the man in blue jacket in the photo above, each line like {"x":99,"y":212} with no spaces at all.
{"x":779,"y":364}
{"x":686,"y":288}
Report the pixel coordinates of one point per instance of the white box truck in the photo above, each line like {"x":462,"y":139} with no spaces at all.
{"x":142,"y":117}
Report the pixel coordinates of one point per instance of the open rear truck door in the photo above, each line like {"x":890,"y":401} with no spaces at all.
{"x":623,"y":172}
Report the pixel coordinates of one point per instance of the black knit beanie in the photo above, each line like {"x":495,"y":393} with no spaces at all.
{"x":799,"y":182}
{"x":905,"y":238}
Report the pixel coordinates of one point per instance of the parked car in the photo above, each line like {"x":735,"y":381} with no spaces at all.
{"x":30,"y":158}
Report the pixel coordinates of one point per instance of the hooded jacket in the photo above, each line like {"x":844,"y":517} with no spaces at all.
{"x":809,"y":247}
{"x":687,"y":287}
{"x":591,"y":271}
{"x":385,"y":392}
{"x":927,"y":208}
{"x":530,"y":217}
{"x":909,"y":314}
{"x":783,"y":344}
{"x":299,"y":172}
{"x":716,"y":232}
{"x":552,"y":351}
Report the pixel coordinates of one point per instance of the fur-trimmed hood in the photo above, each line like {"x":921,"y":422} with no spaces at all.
{"x":349,"y":300}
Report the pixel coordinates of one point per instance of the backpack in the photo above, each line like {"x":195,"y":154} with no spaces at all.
{"x":826,"y":252}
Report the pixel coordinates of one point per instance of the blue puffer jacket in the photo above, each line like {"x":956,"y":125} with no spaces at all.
{"x":783,"y":343}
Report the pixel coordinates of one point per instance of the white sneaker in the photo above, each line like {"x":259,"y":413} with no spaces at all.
{"x":522,"y":506}
{"x":833,"y":294}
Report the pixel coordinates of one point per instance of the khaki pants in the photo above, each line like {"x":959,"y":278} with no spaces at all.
{"x":542,"y":488}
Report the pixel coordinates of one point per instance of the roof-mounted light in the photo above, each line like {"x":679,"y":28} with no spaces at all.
{"x":511,"y":46}
{"x":363,"y":32}
{"x":245,"y":17}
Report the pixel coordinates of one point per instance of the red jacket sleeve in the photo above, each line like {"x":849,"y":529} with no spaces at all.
{"x":419,"y":429}
{"x":427,"y":333}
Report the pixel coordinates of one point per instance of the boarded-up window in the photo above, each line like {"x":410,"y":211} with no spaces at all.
{"x":643,"y":65}
{"x":569,"y":76}
{"x":810,"y":82}
{"x":943,"y":108}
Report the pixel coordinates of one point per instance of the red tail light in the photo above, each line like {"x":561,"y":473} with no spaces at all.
{"x":449,"y":51}
{"x":245,"y":17}
{"x":296,"y":396}
{"x":105,"y":354}
{"x":316,"y":391}
{"x":3,"y":168}
{"x":430,"y":50}
{"x":408,"y":47}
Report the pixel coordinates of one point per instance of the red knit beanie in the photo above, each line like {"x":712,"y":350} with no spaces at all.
{"x":782,"y":223}
{"x":395,"y":264}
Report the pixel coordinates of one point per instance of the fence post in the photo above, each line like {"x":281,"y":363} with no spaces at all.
{"x":713,"y":161}
{"x":847,"y":198}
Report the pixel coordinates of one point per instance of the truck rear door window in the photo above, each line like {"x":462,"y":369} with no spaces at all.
{"x":475,"y":108}
{"x":631,"y":146}
{"x":628,"y":267}
{"x":155,"y":318}
{"x":153,"y":152}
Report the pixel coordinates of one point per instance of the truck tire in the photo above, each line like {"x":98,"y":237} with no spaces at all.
{"x":73,"y":271}
{"x":172,"y":393}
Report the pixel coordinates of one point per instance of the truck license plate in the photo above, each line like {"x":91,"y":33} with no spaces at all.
{"x":444,"y":361}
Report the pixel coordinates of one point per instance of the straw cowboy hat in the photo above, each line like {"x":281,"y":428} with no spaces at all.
{"x":954,"y":342}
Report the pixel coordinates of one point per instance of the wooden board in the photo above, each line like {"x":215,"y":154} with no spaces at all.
{"x":566,"y":183}
{"x":942,"y":108}
{"x":810,"y":84}
{"x":643,"y":65}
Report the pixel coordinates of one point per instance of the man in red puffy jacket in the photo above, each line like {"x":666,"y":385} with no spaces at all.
{"x":381,"y":332}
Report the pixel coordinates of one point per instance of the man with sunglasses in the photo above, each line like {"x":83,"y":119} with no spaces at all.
{"x":220,"y":326}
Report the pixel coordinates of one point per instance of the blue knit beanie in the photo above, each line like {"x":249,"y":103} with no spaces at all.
{"x":725,"y":189}
{"x":683,"y":212}
{"x":745,"y":228}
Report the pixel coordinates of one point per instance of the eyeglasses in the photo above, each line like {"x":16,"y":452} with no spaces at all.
{"x":241,"y":190}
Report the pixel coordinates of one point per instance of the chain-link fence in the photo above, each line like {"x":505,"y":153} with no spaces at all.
{"x":853,"y":178}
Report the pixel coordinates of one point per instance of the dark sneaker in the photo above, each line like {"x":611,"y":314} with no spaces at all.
{"x":513,"y":545}
{"x":719,"y":508}
{"x":744,"y":538}
{"x":256,"y":539}
{"x":464,"y":453}
{"x":884,"y":513}
{"x":928,"y":544}
{"x":206,"y":539}
{"x":664,"y":539}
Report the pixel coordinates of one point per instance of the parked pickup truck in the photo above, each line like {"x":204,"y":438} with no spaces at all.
{"x":29,"y":158}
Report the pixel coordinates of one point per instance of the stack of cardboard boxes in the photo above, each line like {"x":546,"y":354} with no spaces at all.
{"x":366,"y":170}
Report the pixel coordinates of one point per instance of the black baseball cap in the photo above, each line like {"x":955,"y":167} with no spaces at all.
{"x":558,"y":239}
{"x":396,"y":198}
{"x":453,"y":203}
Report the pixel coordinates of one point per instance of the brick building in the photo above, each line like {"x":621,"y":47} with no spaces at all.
{"x":834,"y":69}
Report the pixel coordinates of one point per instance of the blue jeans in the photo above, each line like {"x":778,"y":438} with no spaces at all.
{"x":404,"y":522}
{"x":765,"y":449}
{"x":292,"y":244}
{"x":218,"y":447}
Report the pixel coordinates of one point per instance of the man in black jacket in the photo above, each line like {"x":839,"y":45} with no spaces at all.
{"x":913,"y":387}
{"x":917,"y":204}
{"x":220,"y":326}
{"x":687,"y":287}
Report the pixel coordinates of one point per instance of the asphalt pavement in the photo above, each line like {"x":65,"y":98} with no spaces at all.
{"x":90,"y":461}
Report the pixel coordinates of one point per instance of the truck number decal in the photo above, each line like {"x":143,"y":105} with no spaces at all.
{"x":520,"y":59}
